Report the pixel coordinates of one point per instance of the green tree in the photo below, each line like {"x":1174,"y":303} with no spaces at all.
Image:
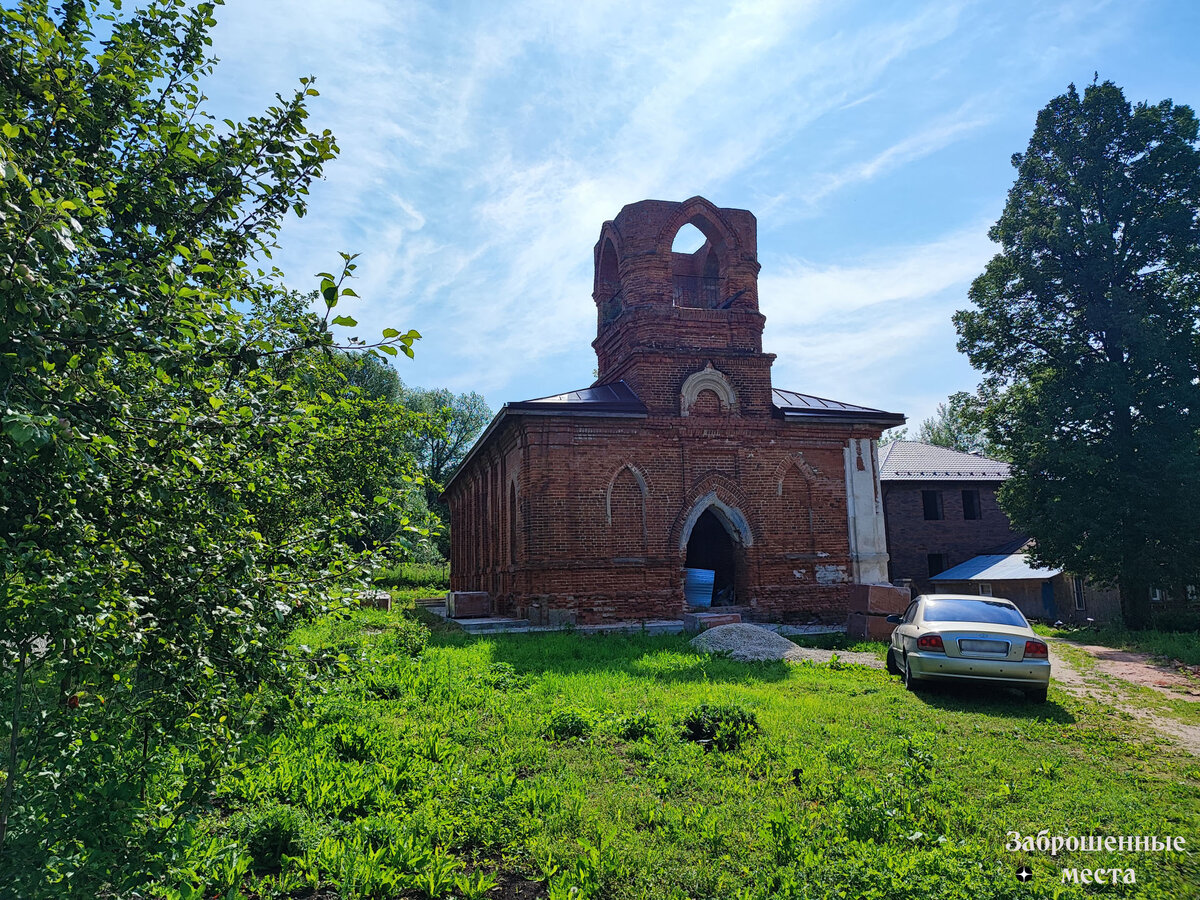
{"x":367,"y":375}
{"x":369,"y":442}
{"x":957,"y":425}
{"x":453,"y":422}
{"x":442,"y":451}
{"x":170,"y":496}
{"x":1085,"y":325}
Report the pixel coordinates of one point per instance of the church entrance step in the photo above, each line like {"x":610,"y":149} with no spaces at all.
{"x":703,"y":620}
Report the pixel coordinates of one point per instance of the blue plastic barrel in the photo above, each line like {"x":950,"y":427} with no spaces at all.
{"x":698,"y":586}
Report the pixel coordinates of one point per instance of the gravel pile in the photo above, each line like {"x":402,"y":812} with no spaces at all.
{"x":748,"y":643}
{"x":753,"y":643}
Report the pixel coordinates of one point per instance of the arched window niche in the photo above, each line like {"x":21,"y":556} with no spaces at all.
{"x":708,"y":382}
{"x":608,"y":282}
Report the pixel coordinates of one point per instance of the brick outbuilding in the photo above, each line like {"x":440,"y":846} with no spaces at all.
{"x":940,"y":508}
{"x":587,"y":506}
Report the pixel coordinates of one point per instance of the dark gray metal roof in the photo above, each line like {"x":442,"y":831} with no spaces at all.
{"x":617,"y":399}
{"x":793,"y":405}
{"x":915,"y":461}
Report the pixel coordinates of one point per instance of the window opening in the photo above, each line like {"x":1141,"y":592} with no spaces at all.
{"x":688,"y":239}
{"x":932,"y":501}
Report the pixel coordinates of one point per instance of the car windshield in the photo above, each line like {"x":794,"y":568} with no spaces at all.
{"x":991,"y":612}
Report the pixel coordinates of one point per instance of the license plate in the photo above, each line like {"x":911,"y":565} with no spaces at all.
{"x":969,"y":646}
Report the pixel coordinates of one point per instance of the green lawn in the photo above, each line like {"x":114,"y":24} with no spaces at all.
{"x":548,"y":762}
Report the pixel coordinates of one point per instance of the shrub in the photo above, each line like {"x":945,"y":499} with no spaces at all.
{"x":503,"y":677}
{"x":569,"y":722}
{"x":352,"y":743}
{"x":406,"y":637}
{"x":635,"y":727}
{"x":726,"y":725}
{"x":271,"y":833}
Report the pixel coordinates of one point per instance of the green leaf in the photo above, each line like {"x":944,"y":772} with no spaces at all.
{"x":345,"y":320}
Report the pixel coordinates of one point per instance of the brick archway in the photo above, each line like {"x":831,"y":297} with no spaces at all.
{"x":715,"y":536}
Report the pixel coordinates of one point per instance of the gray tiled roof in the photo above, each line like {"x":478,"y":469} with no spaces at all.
{"x":794,"y":405}
{"x":914,"y":461}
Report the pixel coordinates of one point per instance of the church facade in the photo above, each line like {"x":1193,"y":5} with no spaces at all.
{"x":587,"y":506}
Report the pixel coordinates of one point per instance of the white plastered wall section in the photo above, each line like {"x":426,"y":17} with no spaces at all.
{"x":864,"y":509}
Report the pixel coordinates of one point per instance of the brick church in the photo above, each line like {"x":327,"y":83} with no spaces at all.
{"x":587,"y":506}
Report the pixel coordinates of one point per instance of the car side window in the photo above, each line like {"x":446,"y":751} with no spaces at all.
{"x":909,"y":613}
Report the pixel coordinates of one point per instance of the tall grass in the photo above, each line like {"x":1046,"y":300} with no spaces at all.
{"x":432,"y":577}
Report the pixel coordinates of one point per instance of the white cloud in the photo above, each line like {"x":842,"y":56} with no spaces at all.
{"x":875,"y":331}
{"x":799,"y":293}
{"x":930,"y":139}
{"x":484,"y":145}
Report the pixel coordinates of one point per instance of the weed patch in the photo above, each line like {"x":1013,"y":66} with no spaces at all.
{"x":725,"y":725}
{"x":570,"y":722}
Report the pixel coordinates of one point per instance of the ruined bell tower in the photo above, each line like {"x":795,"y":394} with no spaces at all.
{"x":663,"y":317}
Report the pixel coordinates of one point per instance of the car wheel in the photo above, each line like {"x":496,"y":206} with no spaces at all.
{"x":1037,"y":695}
{"x":892,"y":668}
{"x":909,"y":682}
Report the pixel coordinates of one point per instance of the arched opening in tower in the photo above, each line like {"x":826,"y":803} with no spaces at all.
{"x":712,"y":547}
{"x":696,"y":266}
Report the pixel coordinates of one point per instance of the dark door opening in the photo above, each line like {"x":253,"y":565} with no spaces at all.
{"x":711,"y":547}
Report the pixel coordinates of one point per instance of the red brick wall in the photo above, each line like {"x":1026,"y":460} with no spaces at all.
{"x":591,"y":539}
{"x":911,"y":538}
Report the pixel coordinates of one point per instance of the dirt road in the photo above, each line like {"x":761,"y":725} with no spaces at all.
{"x":1119,"y":678}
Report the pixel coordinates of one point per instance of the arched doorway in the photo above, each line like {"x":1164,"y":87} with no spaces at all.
{"x":711,"y":546}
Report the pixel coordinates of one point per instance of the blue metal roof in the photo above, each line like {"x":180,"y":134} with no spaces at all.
{"x":1014,"y":567}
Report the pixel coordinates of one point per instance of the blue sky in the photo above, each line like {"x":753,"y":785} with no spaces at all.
{"x":484,"y":143}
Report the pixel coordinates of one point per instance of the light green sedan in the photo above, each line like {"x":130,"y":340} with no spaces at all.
{"x":957,"y":636}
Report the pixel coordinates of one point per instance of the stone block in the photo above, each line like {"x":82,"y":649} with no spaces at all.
{"x":376,"y":600}
{"x":469,"y":605}
{"x":871,"y":628}
{"x":704,"y":621}
{"x":879,"y":599}
{"x":560,"y":617}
